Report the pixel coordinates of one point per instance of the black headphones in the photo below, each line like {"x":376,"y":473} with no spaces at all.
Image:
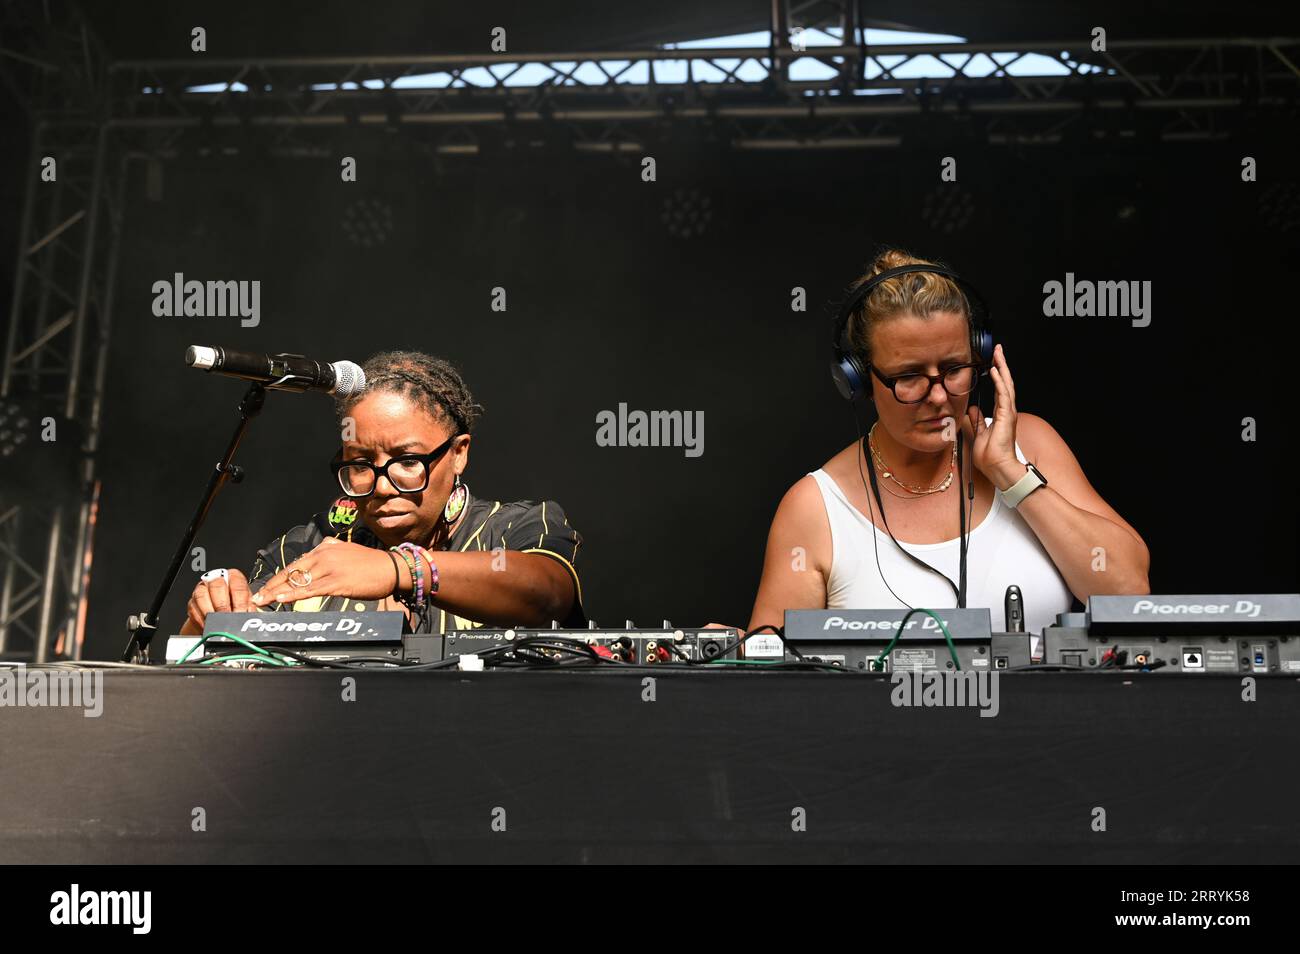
{"x":850,"y":373}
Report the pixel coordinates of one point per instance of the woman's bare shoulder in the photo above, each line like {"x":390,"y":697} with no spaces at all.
{"x":843,"y":467}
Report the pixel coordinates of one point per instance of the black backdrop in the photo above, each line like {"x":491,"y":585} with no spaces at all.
{"x":606,"y":306}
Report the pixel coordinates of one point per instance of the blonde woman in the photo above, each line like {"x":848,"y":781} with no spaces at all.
{"x":1041,"y":527}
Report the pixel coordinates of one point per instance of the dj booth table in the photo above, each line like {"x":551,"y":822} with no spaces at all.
{"x":578,"y":766}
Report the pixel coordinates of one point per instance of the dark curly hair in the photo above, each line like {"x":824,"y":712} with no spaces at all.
{"x":431,"y":383}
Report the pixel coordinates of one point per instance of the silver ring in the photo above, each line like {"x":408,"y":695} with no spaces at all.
{"x":306,"y":577}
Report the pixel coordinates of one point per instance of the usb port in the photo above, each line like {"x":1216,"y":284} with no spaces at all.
{"x":1000,"y":662}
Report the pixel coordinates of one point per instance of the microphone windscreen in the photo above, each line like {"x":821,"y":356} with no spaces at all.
{"x":348,"y":378}
{"x":200,"y":356}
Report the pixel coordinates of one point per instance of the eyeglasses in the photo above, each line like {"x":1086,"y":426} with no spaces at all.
{"x":408,"y":473}
{"x":913,"y":388}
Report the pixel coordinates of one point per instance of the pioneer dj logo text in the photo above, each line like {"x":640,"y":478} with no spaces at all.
{"x":932,"y":688}
{"x":886,"y":625}
{"x":1247,"y":608}
{"x":76,"y":907}
{"x":345,"y":627}
{"x":44,"y":688}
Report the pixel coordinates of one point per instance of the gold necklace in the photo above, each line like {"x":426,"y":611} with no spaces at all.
{"x":885,"y":471}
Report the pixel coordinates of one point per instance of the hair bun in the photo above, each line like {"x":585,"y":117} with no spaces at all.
{"x":892,"y":258}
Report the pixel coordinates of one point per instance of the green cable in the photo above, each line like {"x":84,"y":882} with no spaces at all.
{"x":898,"y":634}
{"x":236,"y":638}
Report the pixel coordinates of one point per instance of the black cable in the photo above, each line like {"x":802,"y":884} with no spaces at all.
{"x":961,"y":526}
{"x":676,"y":650}
{"x":875,"y":547}
{"x":320,"y":663}
{"x":766,"y":627}
{"x":524,"y":652}
{"x":875,"y":488}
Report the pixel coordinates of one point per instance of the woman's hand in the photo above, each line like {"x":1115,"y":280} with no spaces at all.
{"x":216,"y":596}
{"x":335,"y":568}
{"x":994,"y":447}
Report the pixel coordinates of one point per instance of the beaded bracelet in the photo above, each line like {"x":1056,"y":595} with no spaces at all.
{"x":433,"y":574}
{"x":417,"y":568}
{"x":409,"y":601}
{"x":433,"y":570}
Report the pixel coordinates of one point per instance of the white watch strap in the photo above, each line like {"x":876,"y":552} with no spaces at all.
{"x":1021,"y":489}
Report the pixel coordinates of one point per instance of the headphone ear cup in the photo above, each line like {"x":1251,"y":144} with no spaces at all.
{"x":849,"y":377}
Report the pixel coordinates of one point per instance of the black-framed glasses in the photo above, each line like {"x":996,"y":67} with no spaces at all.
{"x":912,"y":388}
{"x":408,"y":473}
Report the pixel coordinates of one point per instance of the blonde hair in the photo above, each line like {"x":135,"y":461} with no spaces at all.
{"x":918,"y":293}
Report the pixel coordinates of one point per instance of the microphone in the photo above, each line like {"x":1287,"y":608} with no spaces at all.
{"x":279,"y":372}
{"x":1013,"y":609}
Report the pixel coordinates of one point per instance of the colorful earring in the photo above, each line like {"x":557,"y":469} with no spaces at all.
{"x":456,"y":502}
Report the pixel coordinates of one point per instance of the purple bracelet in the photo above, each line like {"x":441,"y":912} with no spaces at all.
{"x":433,"y":574}
{"x":433,"y":571}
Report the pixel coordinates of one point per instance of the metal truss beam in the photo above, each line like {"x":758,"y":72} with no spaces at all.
{"x":1175,"y":89}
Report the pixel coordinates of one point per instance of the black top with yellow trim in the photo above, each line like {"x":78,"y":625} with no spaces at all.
{"x":524,"y":526}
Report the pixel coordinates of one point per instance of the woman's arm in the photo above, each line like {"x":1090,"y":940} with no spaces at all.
{"x":502,"y":587}
{"x":1093,"y":547}
{"x":797,"y":559}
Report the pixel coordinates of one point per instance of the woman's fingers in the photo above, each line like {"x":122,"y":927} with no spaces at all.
{"x":281,"y":588}
{"x":199,"y":605}
{"x":1003,"y":394}
{"x":283,"y":578}
{"x":196,"y":615}
{"x":272,"y":585}
{"x":1004,"y":372}
{"x":219,"y":595}
{"x":241,"y":600}
{"x":202,"y":598}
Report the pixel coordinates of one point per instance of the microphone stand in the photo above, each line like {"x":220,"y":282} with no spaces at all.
{"x":141,"y":626}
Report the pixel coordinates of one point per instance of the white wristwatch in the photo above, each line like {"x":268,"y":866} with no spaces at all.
{"x":1023,"y":487}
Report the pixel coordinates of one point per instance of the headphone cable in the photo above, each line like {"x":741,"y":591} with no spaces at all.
{"x":862,"y":448}
{"x":959,"y":593}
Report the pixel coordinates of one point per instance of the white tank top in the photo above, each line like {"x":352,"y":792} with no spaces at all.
{"x":1001,"y":550}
